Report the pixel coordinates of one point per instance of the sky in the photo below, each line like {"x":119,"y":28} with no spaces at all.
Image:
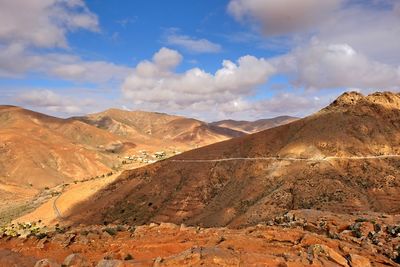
{"x":207,"y":59}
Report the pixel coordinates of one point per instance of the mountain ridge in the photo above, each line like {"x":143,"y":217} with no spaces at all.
{"x":159,"y":126}
{"x":243,"y":193}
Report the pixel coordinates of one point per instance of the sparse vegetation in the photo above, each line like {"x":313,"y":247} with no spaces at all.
{"x":110,"y":231}
{"x":24,"y":230}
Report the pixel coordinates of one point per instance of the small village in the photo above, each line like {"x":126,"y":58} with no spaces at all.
{"x":148,"y":157}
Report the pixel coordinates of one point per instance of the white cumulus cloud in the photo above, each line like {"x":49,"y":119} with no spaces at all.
{"x":156,"y":84}
{"x":49,"y":100}
{"x":321,"y":65}
{"x":43,"y":23}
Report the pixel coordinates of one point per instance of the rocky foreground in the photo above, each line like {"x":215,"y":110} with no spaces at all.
{"x":299,"y":238}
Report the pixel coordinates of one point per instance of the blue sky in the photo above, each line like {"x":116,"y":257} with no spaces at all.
{"x":241,"y":59}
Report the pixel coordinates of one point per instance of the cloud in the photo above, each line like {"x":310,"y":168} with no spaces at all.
{"x":126,"y":21}
{"x":43,"y":23}
{"x":321,"y":65}
{"x":87,"y":71}
{"x":50,"y":101}
{"x":374,"y":31}
{"x":191,"y":44}
{"x":396,"y":8}
{"x":371,"y":27}
{"x":335,"y":43}
{"x":28,"y":25}
{"x":16,"y":60}
{"x":167,"y":59}
{"x":280,"y":17}
{"x":154,"y":83}
{"x":294,"y":104}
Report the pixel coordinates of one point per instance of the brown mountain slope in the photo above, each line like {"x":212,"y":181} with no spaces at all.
{"x":44,"y":151}
{"x":255,"y":126}
{"x":159,"y":129}
{"x":243,"y":192}
{"x":40,"y":150}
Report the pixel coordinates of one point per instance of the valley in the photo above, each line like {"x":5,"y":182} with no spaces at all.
{"x":296,"y":190}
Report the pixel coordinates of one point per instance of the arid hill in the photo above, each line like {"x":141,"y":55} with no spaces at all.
{"x":329,"y":161}
{"x":159,"y":129}
{"x":255,"y":126}
{"x":40,"y":150}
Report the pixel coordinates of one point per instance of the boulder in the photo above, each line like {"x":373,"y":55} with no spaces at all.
{"x":319,"y":250}
{"x":47,"y":263}
{"x":76,"y":260}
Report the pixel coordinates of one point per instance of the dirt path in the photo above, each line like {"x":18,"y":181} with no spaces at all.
{"x":58,"y":207}
{"x":288,"y":159}
{"x":72,"y":194}
{"x":56,"y":210}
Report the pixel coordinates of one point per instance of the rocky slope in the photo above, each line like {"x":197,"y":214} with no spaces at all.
{"x":243,"y":192}
{"x":255,"y":126}
{"x":299,"y":238}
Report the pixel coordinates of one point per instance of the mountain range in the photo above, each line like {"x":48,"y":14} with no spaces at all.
{"x":319,"y":191}
{"x":333,"y":160}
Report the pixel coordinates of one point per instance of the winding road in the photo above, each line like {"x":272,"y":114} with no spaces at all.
{"x":289,"y":159}
{"x":59,"y":215}
{"x":56,"y":210}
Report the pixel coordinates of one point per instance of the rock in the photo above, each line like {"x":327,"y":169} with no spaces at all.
{"x":106,"y":234}
{"x":362,"y":229}
{"x":92,"y":236}
{"x":47,"y":263}
{"x":157,"y":262}
{"x":23,"y":233}
{"x":359,"y":261}
{"x":345,"y":249}
{"x":168,"y":226}
{"x":153,"y":225}
{"x":331,"y":254}
{"x":366,"y":228}
{"x":110,"y":263}
{"x":76,"y":260}
{"x":65,"y":239}
{"x":42,"y":243}
{"x":334,"y":256}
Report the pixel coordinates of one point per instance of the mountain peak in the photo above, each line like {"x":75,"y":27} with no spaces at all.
{"x":353,"y":99}
{"x":346,"y":99}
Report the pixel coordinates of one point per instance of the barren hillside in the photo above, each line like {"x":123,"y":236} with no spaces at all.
{"x":159,"y":128}
{"x":40,"y":150}
{"x":270,"y":172}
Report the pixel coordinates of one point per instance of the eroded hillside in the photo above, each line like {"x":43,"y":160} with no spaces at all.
{"x":313,"y":163}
